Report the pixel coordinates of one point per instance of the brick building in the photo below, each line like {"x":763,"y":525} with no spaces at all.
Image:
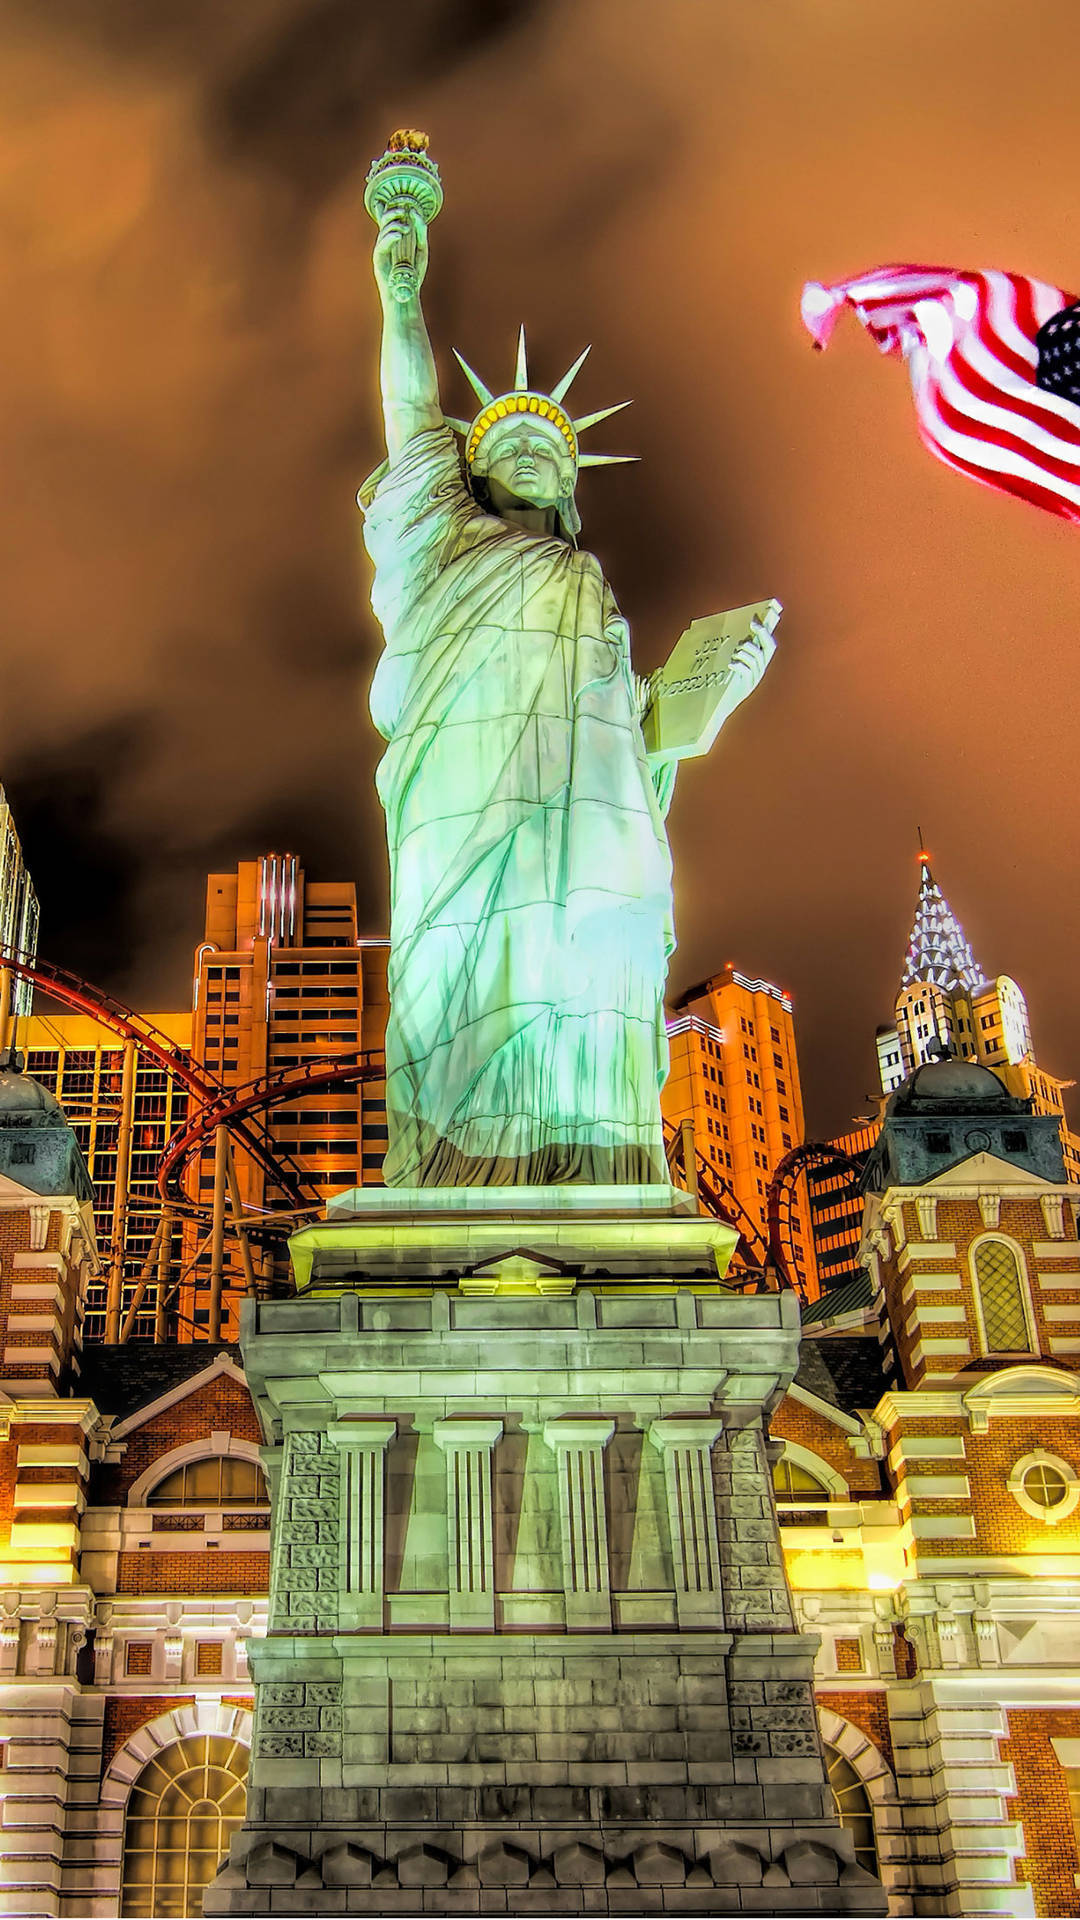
{"x":944,"y":1005}
{"x":927,"y":1476}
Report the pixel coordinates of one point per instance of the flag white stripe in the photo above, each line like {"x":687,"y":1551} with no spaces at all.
{"x":981,"y":360}
{"x":983,"y":453}
{"x":1004,"y":419}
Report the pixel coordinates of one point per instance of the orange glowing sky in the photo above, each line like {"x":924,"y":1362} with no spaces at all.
{"x":187,"y":382}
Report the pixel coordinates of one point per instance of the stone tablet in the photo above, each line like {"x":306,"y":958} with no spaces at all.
{"x":689,"y":697}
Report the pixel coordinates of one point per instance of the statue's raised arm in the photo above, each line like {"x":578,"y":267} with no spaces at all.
{"x":404,"y":195}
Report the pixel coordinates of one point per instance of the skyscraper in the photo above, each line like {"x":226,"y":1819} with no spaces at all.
{"x":947,"y":1004}
{"x":284,"y":979}
{"x":735,"y":1076}
{"x":19,"y":916}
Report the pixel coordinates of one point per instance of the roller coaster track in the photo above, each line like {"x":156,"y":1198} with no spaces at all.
{"x":83,"y":997}
{"x":231,"y":1106}
{"x":760,"y":1261}
{"x":781,"y":1196}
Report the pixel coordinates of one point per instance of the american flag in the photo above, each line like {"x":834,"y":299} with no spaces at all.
{"x":994,"y":361}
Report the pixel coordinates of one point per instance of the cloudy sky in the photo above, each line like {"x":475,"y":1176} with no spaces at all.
{"x":188,"y":395}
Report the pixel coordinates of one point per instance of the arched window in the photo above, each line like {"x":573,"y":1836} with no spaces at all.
{"x":800,"y":1494}
{"x":1002,"y":1298}
{"x":181,"y":1814}
{"x":853,"y":1808}
{"x":224,"y":1480}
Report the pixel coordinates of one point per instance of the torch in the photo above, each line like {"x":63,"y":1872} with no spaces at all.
{"x":404,"y":177}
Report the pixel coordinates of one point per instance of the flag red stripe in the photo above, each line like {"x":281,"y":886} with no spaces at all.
{"x":965,"y":335}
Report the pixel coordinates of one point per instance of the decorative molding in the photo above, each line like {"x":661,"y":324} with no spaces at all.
{"x":926,"y":1211}
{"x":1053,"y":1212}
{"x":1022,"y":1392}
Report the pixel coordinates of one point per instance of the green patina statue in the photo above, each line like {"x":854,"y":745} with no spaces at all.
{"x":531,"y":908}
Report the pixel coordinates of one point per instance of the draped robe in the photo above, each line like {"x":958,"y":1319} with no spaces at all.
{"x":531,"y":910}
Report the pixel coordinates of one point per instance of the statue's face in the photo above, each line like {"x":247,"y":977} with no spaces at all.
{"x":523,"y":458}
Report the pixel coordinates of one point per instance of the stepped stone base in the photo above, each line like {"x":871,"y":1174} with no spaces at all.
{"x":599,"y":1776}
{"x":531,"y":1648}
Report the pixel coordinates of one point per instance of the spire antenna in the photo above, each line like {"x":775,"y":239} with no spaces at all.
{"x":938,"y":950}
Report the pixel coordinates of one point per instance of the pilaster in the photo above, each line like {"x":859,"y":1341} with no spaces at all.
{"x":956,"y":1789}
{"x":468,"y":1446}
{"x":686,"y":1448}
{"x":578,"y":1446}
{"x":362,"y":1483}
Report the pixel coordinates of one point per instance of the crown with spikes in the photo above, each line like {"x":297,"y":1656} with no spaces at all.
{"x":545,"y":406}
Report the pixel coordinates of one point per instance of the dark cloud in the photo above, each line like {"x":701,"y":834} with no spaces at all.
{"x":85,"y":868}
{"x":188,"y":384}
{"x":302,"y":102}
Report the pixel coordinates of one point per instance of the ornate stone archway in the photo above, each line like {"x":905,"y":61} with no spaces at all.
{"x":183,"y":1765}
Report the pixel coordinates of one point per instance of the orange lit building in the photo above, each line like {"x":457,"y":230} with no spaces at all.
{"x":283,"y":979}
{"x":123,"y":1110}
{"x":735,"y":1076}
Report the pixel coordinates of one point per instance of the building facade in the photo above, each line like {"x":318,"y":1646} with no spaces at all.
{"x":926,"y":1467}
{"x":123,"y":1109}
{"x":735,"y":1077}
{"x":19,"y":916}
{"x":284,"y":979}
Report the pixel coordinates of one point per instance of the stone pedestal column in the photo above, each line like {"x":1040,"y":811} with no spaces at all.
{"x":305,"y":1561}
{"x":686,"y":1447}
{"x":578,"y":1446}
{"x":756,"y":1595}
{"x":363,"y":1445}
{"x":468,"y":1446}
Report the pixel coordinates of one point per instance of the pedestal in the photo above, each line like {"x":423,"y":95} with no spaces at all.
{"x":531,"y":1648}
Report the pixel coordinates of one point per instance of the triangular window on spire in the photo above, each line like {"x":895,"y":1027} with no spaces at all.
{"x":938,"y":950}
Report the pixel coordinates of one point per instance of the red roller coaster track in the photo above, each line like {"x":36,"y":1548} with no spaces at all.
{"x":781,"y":1194}
{"x":233,"y":1107}
{"x":82,"y":997}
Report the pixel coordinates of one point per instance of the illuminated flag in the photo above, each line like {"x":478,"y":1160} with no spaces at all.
{"x":994,"y":360}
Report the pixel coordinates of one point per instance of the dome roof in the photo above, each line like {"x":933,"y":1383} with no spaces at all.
{"x":25,"y":1102}
{"x":954,"y":1083}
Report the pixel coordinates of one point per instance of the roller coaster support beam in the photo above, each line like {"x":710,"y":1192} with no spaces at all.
{"x":217,"y":1232}
{"x":238,"y":1213}
{"x":114,"y":1297}
{"x":164,"y":1254}
{"x":152,"y":1260}
{"x":689,"y":1153}
{"x":5,"y":1007}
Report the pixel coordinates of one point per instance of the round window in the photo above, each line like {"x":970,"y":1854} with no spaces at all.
{"x":1045,"y":1485}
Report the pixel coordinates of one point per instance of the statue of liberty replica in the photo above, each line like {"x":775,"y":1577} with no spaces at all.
{"x":531,"y":910}
{"x":530,"y":1645}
